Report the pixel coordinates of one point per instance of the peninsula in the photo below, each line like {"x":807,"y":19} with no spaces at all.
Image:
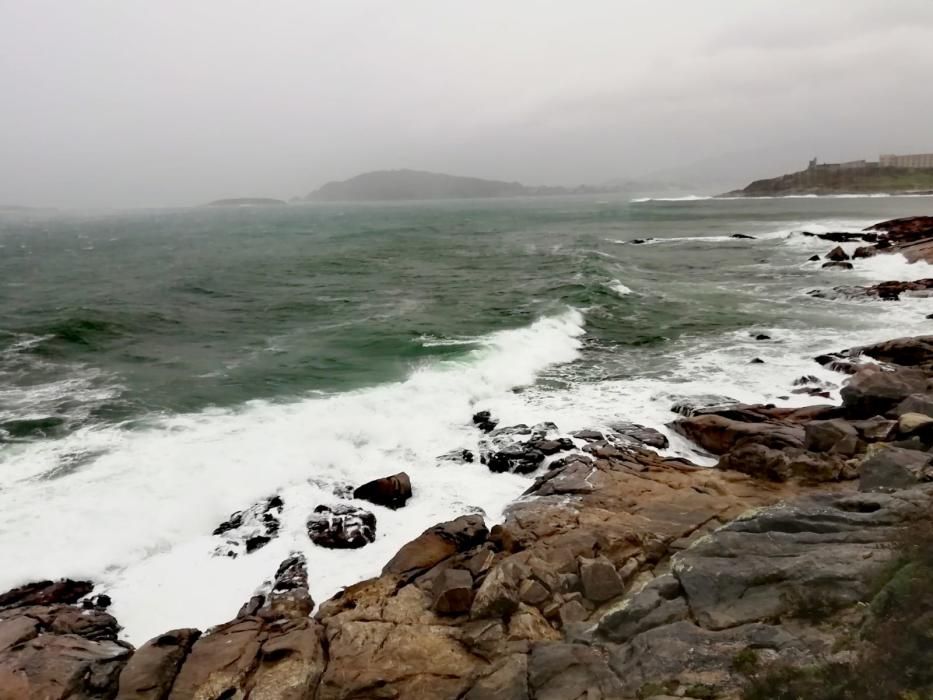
{"x":247,"y":202}
{"x":890,"y":174}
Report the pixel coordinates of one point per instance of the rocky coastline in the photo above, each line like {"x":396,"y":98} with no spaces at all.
{"x":620,"y":574}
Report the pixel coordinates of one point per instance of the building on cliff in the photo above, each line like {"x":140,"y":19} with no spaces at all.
{"x":915,"y":160}
{"x":848,"y":165}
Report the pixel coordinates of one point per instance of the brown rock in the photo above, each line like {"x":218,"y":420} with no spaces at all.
{"x":391,"y":491}
{"x":498,"y":594}
{"x":436,"y":544}
{"x":151,"y":671}
{"x":533,"y":592}
{"x":453,"y":592}
{"x":507,"y":681}
{"x":60,"y":667}
{"x":600,"y":579}
{"x":527,"y":623}
{"x":719,"y":434}
{"x":46,"y":593}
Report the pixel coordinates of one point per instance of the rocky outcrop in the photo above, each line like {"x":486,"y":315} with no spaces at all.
{"x":390,"y":491}
{"x":341,"y":527}
{"x":247,"y":530}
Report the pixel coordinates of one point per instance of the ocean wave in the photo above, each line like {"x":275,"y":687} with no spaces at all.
{"x":135,"y":512}
{"x":618,"y":288}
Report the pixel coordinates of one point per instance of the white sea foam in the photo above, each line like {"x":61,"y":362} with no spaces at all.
{"x":619,"y":288}
{"x":892,"y":266}
{"x":137,"y":517}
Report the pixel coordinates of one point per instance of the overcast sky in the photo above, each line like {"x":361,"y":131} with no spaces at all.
{"x":173,"y":102}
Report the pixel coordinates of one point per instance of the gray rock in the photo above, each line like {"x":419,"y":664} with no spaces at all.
{"x":557,"y":671}
{"x":872,"y":391}
{"x":834,"y":435}
{"x":915,"y":403}
{"x":498,"y":594}
{"x":876,"y":429}
{"x":572,"y":612}
{"x":533,"y":592}
{"x":640,"y":433}
{"x":340,"y":526}
{"x":507,"y":681}
{"x":600,"y":579}
{"x":891,"y":468}
{"x":658,"y":603}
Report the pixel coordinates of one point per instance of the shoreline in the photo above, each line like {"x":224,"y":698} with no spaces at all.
{"x":600,"y":577}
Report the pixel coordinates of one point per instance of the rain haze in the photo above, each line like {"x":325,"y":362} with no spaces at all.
{"x":175,"y":103}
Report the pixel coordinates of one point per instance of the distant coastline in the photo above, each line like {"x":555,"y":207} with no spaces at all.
{"x":889,"y":175}
{"x":247,"y":202}
{"x":408,"y":185}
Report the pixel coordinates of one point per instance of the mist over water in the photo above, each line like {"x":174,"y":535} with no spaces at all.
{"x":161,"y":369}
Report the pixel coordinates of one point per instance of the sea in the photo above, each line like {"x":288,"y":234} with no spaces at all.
{"x":163,"y":368}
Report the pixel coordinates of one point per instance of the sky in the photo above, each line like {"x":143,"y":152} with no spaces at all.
{"x":113,"y":103}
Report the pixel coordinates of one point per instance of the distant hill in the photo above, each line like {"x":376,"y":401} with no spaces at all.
{"x":396,"y":185}
{"x":246,"y":202}
{"x":824,"y":179}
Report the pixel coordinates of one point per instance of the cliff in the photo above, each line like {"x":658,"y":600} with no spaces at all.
{"x":827,"y":180}
{"x":398,"y":185}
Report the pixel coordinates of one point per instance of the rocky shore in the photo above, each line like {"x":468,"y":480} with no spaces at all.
{"x":621,"y":573}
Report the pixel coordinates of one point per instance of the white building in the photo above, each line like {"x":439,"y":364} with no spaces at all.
{"x":917,"y":160}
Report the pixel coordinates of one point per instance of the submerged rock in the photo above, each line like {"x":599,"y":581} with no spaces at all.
{"x":341,"y":527}
{"x":838,"y":265}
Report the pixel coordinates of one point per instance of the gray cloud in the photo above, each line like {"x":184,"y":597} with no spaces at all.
{"x":129,"y":102}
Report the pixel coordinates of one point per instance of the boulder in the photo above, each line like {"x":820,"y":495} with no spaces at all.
{"x":519,"y":458}
{"x":915,"y":403}
{"x":245,"y":531}
{"x":914,"y":423}
{"x":910,"y":352}
{"x":341,"y":527}
{"x":498,"y":594}
{"x":813,"y":258}
{"x":453,"y":592}
{"x":783,"y":464}
{"x":837,"y":254}
{"x":436,"y":544}
{"x":151,"y":671}
{"x":390,"y":491}
{"x":600,"y":579}
{"x":838,"y":265}
{"x":484,"y":421}
{"x":875,"y":429}
{"x":873,"y":391}
{"x":834,"y":435}
{"x":559,"y":670}
{"x":891,"y":468}
{"x":62,"y":667}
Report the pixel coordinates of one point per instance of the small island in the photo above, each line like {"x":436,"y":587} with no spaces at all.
{"x":890,"y":174}
{"x":247,"y":202}
{"x":402,"y":185}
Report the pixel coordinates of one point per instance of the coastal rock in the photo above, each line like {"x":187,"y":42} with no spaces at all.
{"x":837,"y":265}
{"x":784,"y":463}
{"x":453,"y":592}
{"x":484,"y":421}
{"x":151,"y":671}
{"x":62,"y":666}
{"x":915,"y":403}
{"x":891,"y":468}
{"x":519,"y":458}
{"x":247,"y":530}
{"x":64,"y":591}
{"x":837,"y":254}
{"x":909,"y":352}
{"x":718,"y":434}
{"x":640,"y":433}
{"x":915,"y":423}
{"x":600,"y":579}
{"x":436,"y":544}
{"x":507,"y":681}
{"x":390,"y":491}
{"x":341,"y":527}
{"x":872,"y":391}
{"x":835,"y":435}
{"x":744,"y":236}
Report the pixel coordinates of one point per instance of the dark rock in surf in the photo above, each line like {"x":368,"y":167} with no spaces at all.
{"x":756,"y":361}
{"x":63,"y":592}
{"x":518,"y":458}
{"x":484,"y":421}
{"x":762,"y":336}
{"x":837,"y":265}
{"x":742,"y":236}
{"x":814,"y":258}
{"x":245,"y":531}
{"x":837,"y":254}
{"x":390,"y":491}
{"x":640,"y":241}
{"x":341,"y":527}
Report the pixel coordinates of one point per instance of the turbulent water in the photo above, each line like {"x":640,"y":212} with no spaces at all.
{"x":161,"y":369}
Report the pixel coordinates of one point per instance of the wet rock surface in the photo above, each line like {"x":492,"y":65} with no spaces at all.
{"x":341,"y":527}
{"x":245,"y":531}
{"x":390,"y":491}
